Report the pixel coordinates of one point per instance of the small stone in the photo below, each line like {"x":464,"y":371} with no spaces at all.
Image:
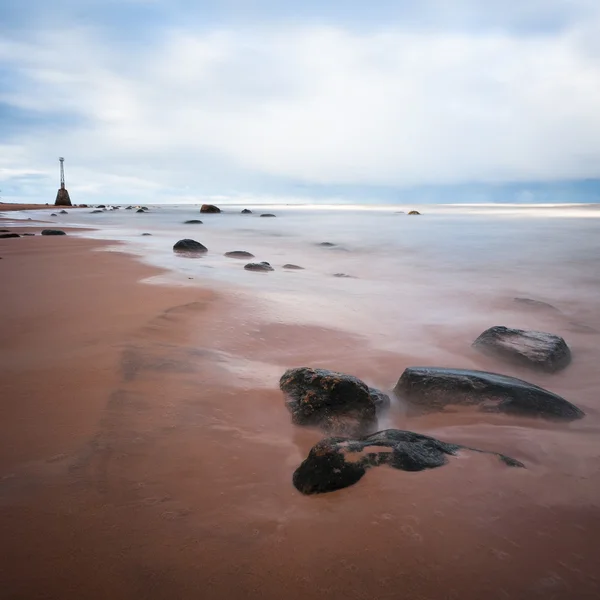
{"x":268,"y":215}
{"x":293,"y":267}
{"x":246,"y":211}
{"x":193,"y":222}
{"x":239,"y":254}
{"x":146,"y":234}
{"x":327,"y":244}
{"x":260,"y":267}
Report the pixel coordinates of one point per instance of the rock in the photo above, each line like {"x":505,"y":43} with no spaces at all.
{"x":536,"y":304}
{"x":399,"y":212}
{"x":336,"y":463}
{"x":95,"y":211}
{"x":193,"y":222}
{"x":344,"y":276}
{"x":140,"y":210}
{"x":53,"y":232}
{"x":327,"y":244}
{"x":53,"y":215}
{"x":434,"y":388}
{"x":261,"y":266}
{"x":101,"y":206}
{"x":9,"y":235}
{"x":414,"y":212}
{"x":4,"y":230}
{"x":28,"y":234}
{"x":145,"y":208}
{"x":209,"y":208}
{"x":268,"y":215}
{"x":239,"y":254}
{"x":335,"y":402}
{"x":536,"y":349}
{"x":129,"y":208}
{"x":63,"y":212}
{"x":146,"y":234}
{"x":83,"y":206}
{"x":188,"y":245}
{"x":293,"y":267}
{"x":246,"y":211}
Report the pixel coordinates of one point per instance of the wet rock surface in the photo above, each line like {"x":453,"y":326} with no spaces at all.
{"x":63,"y":212}
{"x":53,"y":232}
{"x":9,"y":235}
{"x":143,"y":234}
{"x":239,"y":254}
{"x":531,"y":303}
{"x":267,"y":215}
{"x":98,"y":211}
{"x":210,"y":208}
{"x":193,"y":222}
{"x":335,"y":402}
{"x":189,"y":246}
{"x":414,"y":212}
{"x":327,"y":244}
{"x":338,"y":462}
{"x":344,"y":276}
{"x":140,"y":210}
{"x":261,"y":267}
{"x":536,"y":349}
{"x":292,"y":267}
{"x":435,"y":388}
{"x":246,"y":211}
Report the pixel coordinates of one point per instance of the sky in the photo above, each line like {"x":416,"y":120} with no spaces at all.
{"x":239,"y":101}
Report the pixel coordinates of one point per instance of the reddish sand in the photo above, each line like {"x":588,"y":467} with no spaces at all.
{"x":12,"y":207}
{"x":145,"y":452}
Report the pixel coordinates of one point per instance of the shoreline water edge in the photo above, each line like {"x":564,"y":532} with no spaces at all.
{"x":155,"y":442}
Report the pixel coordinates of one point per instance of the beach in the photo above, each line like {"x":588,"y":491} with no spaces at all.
{"x":145,"y":447}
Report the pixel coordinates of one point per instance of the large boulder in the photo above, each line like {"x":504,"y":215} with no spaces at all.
{"x":53,"y":232}
{"x":335,"y":402}
{"x":536,"y":349}
{"x":435,"y":388}
{"x":209,"y":208}
{"x":191,"y":246}
{"x":337,"y":462}
{"x":263,"y":267}
{"x":239,"y":254}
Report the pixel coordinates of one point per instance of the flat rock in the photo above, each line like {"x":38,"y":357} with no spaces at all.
{"x":535,"y":349}
{"x":344,"y":276}
{"x":293,"y":267}
{"x":209,"y":208}
{"x":53,"y":232}
{"x":191,"y":246}
{"x":327,"y":244}
{"x":239,"y":254}
{"x":146,"y":234}
{"x":53,"y":215}
{"x":337,"y":462}
{"x":529,"y":302}
{"x":261,"y":266}
{"x":4,"y":230}
{"x":98,"y":211}
{"x":435,"y":388}
{"x":9,"y":235}
{"x":267,"y":215}
{"x":193,"y":222}
{"x":335,"y":402}
{"x":28,"y":234}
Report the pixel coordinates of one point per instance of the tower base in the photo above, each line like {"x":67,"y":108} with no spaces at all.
{"x":62,"y":198}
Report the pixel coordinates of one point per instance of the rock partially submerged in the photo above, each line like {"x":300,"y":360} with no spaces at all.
{"x":53,"y":232}
{"x":189,"y":246}
{"x":530,"y":302}
{"x":267,"y":215}
{"x":143,"y":234}
{"x":9,"y":235}
{"x":414,"y":212}
{"x":327,"y":244}
{"x":335,"y":402}
{"x":193,"y":222}
{"x":63,"y":212}
{"x":239,"y":254}
{"x":337,"y":462}
{"x":536,"y":349}
{"x":344,"y":276}
{"x":209,"y":208}
{"x":98,"y":211}
{"x":140,"y":210}
{"x":260,"y":267}
{"x":435,"y":388}
{"x":53,"y":215}
{"x":293,"y":267}
{"x":246,"y":211}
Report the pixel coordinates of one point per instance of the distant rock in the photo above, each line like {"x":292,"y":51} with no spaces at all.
{"x":414,"y":212}
{"x":146,"y":234}
{"x":400,"y":212}
{"x":101,"y":206}
{"x":327,"y":244}
{"x":536,"y":304}
{"x":129,"y":208}
{"x":63,"y":212}
{"x":9,"y":235}
{"x":140,"y":210}
{"x":344,"y":276}
{"x":435,"y":388}
{"x":193,"y":222}
{"x":239,"y":254}
{"x":246,"y":211}
{"x":261,"y":266}
{"x":28,"y":234}
{"x":144,"y":208}
{"x":293,"y":267}
{"x":337,"y":403}
{"x":53,"y":232}
{"x":96,"y":211}
{"x":53,"y":215}
{"x":268,"y":215}
{"x":336,"y":463}
{"x":4,"y":230}
{"x":191,"y":246}
{"x":209,"y":208}
{"x":535,"y":349}
{"x":82,"y":206}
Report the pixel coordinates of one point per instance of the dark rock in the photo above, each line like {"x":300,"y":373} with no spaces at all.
{"x":146,"y":234}
{"x":268,"y":215}
{"x":62,"y":198}
{"x":53,"y":215}
{"x":246,"y":211}
{"x":101,"y":206}
{"x":28,"y":234}
{"x":261,"y":267}
{"x":193,"y":222}
{"x":536,"y":349}
{"x":95,"y":211}
{"x":53,"y":232}
{"x":327,"y":244}
{"x":140,"y":210}
{"x":4,"y":230}
{"x":337,"y":462}
{"x":414,"y":212}
{"x":335,"y":402}
{"x":434,"y":388}
{"x":344,"y":276}
{"x":83,"y":206}
{"x":9,"y":235}
{"x":381,"y":400}
{"x":209,"y":208}
{"x":129,"y":208}
{"x":145,"y":208}
{"x":188,"y":245}
{"x":293,"y":267}
{"x":63,"y":212}
{"x":239,"y":254}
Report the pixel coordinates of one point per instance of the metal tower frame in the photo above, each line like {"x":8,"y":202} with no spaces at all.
{"x":62,"y":173}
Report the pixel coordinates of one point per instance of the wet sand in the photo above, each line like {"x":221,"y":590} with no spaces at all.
{"x":4,"y":207}
{"x":145,"y":452}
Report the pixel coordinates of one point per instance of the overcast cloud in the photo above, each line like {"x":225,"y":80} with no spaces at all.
{"x":179,"y":101}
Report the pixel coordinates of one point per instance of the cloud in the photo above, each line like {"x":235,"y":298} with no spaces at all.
{"x":267,"y":108}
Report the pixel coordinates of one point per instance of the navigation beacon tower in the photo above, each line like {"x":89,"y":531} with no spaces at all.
{"x":62,"y":197}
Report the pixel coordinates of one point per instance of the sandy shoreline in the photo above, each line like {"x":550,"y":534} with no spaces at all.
{"x":146,"y":453}
{"x":14,"y":207}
